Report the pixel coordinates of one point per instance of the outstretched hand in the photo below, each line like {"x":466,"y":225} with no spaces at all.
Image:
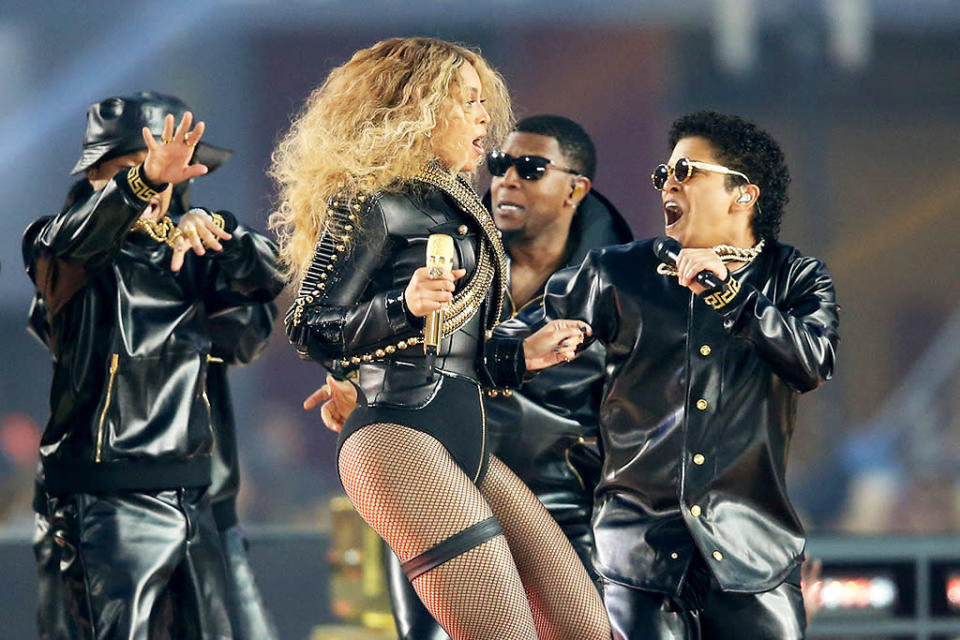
{"x":339,"y":398}
{"x":555,"y":342}
{"x":169,"y":161}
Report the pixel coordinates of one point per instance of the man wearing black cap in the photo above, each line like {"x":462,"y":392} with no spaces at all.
{"x":140,"y":311}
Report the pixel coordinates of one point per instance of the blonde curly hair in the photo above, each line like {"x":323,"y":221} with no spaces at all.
{"x":368,"y":128}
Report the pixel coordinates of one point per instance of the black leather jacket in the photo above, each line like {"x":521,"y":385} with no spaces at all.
{"x":350,"y":314}
{"x":547,"y":431}
{"x":698,"y":410}
{"x":131,"y":342}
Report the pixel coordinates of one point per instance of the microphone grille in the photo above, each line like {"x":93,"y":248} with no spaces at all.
{"x":440,"y":244}
{"x":664,"y":246}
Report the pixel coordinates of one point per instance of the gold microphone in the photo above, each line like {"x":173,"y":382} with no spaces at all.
{"x":440,"y":255}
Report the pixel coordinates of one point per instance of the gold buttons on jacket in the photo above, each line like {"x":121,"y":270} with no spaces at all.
{"x":695,"y":511}
{"x":705,"y":350}
{"x":699,"y":459}
{"x":702,"y":404}
{"x":674,"y":555}
{"x":717,"y":556}
{"x":493,"y":393}
{"x":462,"y":229}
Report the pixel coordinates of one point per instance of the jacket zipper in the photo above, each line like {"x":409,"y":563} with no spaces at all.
{"x":114,"y":365}
{"x":566,"y":456}
{"x":483,"y":433}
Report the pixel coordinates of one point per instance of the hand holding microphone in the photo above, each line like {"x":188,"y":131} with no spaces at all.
{"x":697,"y":269}
{"x":431,"y":288}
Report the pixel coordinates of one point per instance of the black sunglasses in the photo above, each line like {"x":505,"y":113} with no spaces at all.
{"x":528,"y":167}
{"x":684,"y":169}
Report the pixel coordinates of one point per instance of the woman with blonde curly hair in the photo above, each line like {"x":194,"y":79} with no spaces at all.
{"x":369,"y":170}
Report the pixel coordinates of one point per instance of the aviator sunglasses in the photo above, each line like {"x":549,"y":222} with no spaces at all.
{"x":528,"y":167}
{"x":684,"y":169}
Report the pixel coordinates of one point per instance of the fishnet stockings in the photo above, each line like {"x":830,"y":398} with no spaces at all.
{"x":407,"y":487}
{"x":565,"y":602}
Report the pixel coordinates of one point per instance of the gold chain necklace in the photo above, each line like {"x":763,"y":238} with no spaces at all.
{"x":162,"y":230}
{"x":727,"y":253}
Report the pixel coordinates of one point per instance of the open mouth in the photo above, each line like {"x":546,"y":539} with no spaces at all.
{"x":509,"y":207}
{"x":478,"y":144}
{"x":673,"y":213}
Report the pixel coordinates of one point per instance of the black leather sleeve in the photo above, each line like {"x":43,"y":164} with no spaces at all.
{"x":249,"y":263}
{"x":338,"y":311}
{"x":239,"y":334}
{"x":503,"y":362}
{"x":578,"y":293}
{"x":85,"y":237}
{"x":796,"y":335}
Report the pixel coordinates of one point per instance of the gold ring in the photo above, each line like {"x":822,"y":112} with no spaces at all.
{"x":190,"y":231}
{"x":166,"y":140}
{"x":435,"y":272}
{"x":186,"y":140}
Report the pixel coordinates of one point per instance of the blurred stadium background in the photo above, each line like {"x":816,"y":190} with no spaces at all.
{"x":863,"y":94}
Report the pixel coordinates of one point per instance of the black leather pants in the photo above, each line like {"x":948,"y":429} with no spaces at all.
{"x":248,"y":615}
{"x":131,"y":566}
{"x":413,"y":620}
{"x":703,"y":612}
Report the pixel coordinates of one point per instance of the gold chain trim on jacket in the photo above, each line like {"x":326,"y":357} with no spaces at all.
{"x":491,"y":260}
{"x":464,"y":195}
{"x":726,"y":252}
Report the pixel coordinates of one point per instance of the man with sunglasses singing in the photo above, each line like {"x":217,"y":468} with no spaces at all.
{"x":543,"y":202}
{"x":695,"y":535}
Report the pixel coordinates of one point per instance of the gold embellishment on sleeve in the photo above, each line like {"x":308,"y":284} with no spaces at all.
{"x":338,"y":229}
{"x":138,"y":186}
{"x":725,"y":295}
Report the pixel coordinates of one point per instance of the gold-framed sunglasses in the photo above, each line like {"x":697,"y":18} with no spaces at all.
{"x":682,"y":171}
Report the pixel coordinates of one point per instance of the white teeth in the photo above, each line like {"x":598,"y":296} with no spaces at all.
{"x":672,"y":206}
{"x":510,"y":207}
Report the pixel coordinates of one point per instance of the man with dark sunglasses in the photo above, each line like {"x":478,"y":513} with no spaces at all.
{"x":542,"y":200}
{"x":695,"y":535}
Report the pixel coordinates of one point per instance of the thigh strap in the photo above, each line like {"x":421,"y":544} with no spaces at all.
{"x":455,"y":545}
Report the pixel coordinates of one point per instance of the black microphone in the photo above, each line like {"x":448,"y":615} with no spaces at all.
{"x":668,"y":250}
